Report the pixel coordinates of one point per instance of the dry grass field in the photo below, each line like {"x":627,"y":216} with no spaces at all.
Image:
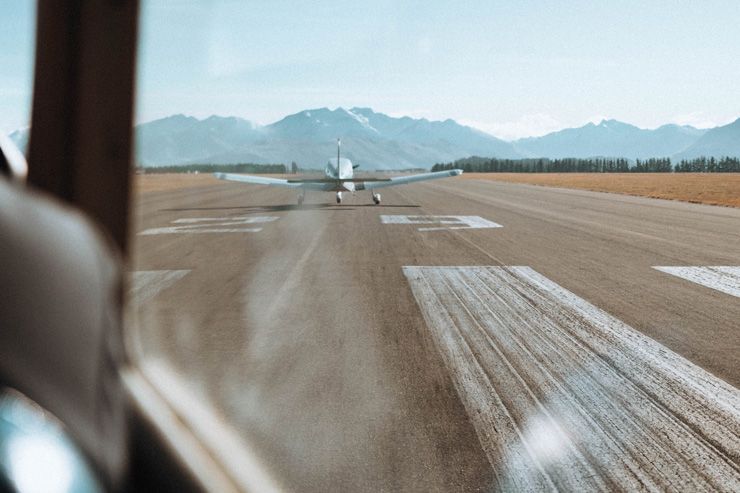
{"x":704,"y":188}
{"x":171,"y":181}
{"x":157,"y":182}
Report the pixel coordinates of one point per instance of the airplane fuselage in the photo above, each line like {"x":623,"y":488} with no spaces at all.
{"x":341,"y":172}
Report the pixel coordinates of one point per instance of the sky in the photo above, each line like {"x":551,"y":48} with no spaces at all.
{"x":17,"y":31}
{"x":513,"y":69}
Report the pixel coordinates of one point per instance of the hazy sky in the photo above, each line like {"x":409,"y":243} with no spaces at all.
{"x":512,"y":68}
{"x":17,"y":28}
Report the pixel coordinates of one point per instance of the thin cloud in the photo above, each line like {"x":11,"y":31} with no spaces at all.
{"x":700,"y":119}
{"x":530,"y":125}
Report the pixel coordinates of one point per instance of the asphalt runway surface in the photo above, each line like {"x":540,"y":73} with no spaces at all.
{"x":462,"y":336}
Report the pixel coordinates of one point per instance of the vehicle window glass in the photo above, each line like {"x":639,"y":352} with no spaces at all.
{"x":425,"y":246}
{"x":17,"y":38}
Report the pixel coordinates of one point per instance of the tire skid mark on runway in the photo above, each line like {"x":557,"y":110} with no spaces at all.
{"x":719,"y":277}
{"x":146,"y":284}
{"x":501,"y":372}
{"x":610,"y":405}
{"x":497,"y":430}
{"x":292,"y":277}
{"x":548,"y":380}
{"x":564,"y":396}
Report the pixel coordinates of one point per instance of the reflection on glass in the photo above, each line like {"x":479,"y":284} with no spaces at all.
{"x":36,"y":455}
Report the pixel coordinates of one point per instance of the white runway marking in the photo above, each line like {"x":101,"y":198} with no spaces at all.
{"x":454,"y":222}
{"x":233,"y":224}
{"x":721,"y":278}
{"x":146,"y":284}
{"x":564,"y":396}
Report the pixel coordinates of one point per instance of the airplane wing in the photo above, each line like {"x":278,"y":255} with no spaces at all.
{"x":402,"y":180}
{"x":274,"y":182}
{"x":327,"y":184}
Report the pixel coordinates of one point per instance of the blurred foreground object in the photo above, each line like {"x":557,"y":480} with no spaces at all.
{"x":60,"y":336}
{"x":32,"y":442}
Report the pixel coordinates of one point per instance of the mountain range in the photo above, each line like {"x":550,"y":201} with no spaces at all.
{"x":613,"y":139}
{"x":374,"y":140}
{"x":378,"y":141}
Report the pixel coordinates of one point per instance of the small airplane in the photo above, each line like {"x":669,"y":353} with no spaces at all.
{"x":339,"y":177}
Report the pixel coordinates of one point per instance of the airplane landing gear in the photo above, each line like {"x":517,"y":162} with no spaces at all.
{"x":376,"y":198}
{"x":339,"y":197}
{"x":301,"y":198}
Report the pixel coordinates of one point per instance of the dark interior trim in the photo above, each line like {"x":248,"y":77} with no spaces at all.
{"x":81,"y":135}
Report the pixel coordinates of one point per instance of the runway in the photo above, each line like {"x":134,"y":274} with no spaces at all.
{"x":462,"y":336}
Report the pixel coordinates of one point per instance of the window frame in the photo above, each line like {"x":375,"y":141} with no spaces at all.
{"x":81,"y":151}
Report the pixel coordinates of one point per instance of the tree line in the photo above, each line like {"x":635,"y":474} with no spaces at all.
{"x":213,"y":168}
{"x":591,"y":165}
{"x":711,"y":165}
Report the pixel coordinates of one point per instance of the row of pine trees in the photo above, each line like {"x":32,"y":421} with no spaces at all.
{"x":212,"y":168}
{"x":592,"y":165}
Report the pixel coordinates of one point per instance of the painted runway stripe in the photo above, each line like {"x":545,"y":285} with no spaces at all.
{"x":719,"y":277}
{"x":234,"y":224}
{"x":146,"y":284}
{"x":564,"y":396}
{"x":446,"y":222}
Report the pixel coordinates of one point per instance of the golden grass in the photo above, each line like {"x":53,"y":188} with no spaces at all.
{"x":159,"y":182}
{"x":704,"y":188}
{"x":171,"y":181}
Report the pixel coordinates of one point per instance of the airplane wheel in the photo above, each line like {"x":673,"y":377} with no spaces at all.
{"x":339,"y":197}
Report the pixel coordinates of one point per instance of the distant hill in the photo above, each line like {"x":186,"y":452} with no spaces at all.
{"x":611,"y":138}
{"x":718,"y":142}
{"x":181,"y":139}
